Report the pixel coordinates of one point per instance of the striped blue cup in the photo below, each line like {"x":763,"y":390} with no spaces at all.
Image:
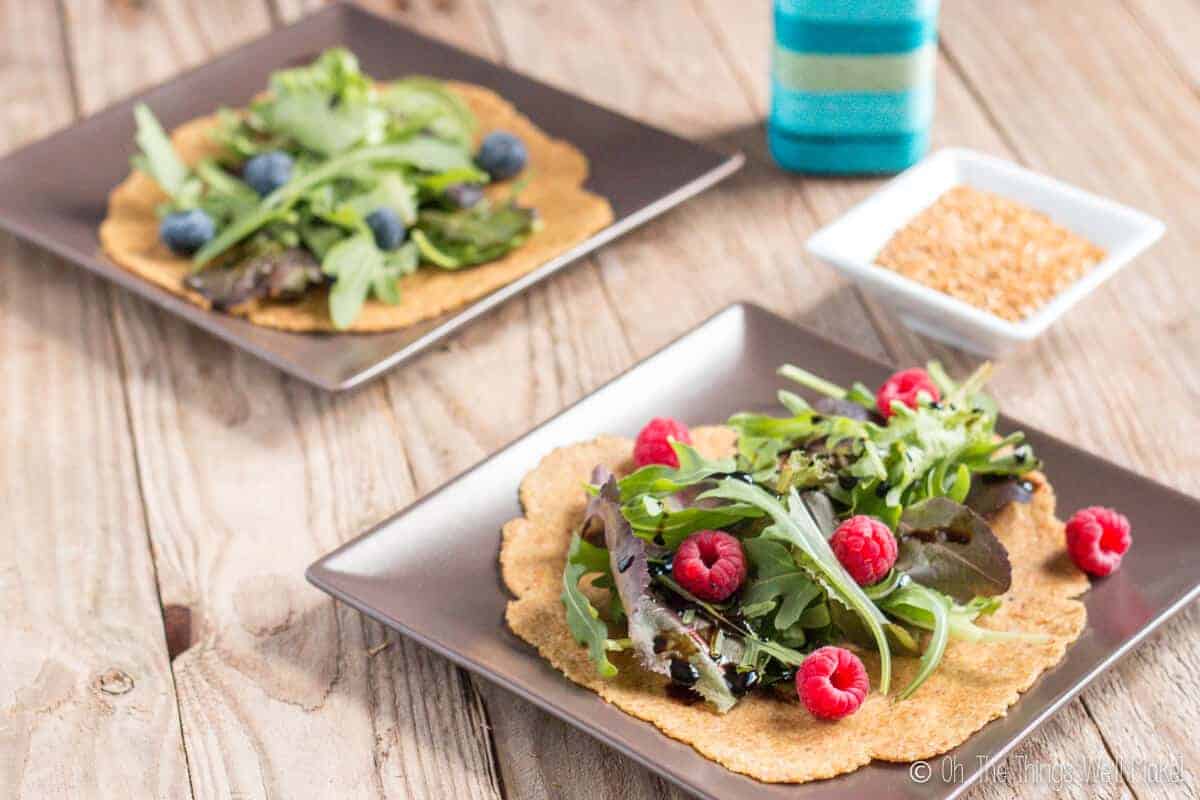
{"x":852,"y":84}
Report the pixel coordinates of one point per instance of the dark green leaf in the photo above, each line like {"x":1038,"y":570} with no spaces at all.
{"x":469,"y":236}
{"x":582,"y":618}
{"x":778,"y":577}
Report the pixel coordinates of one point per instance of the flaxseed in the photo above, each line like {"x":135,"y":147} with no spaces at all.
{"x":992,"y":252}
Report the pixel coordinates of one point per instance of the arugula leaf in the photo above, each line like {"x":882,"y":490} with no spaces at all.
{"x":960,"y":618}
{"x":660,"y":480}
{"x":225,"y":196}
{"x":664,"y":521}
{"x":914,"y":601}
{"x":858,"y":393}
{"x":353,"y":263}
{"x":761,"y":426}
{"x":582,"y":617}
{"x":778,"y":576}
{"x":795,"y":526}
{"x":359,"y":268}
{"x":158,"y":158}
{"x":326,"y":106}
{"x":434,"y":185}
{"x":435,"y":107}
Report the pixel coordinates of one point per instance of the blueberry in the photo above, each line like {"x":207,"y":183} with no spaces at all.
{"x":502,"y":155}
{"x":464,"y":195}
{"x":268,"y":171}
{"x":387,"y":227}
{"x":185,"y":232}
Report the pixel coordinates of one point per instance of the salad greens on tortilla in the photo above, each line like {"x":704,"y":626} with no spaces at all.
{"x":792,"y":479}
{"x":332,"y":188}
{"x":976,"y":605}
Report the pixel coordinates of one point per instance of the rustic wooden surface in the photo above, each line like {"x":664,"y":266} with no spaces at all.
{"x":163,"y":492}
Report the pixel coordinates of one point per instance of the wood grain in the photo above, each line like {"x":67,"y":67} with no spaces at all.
{"x":1124,"y":123}
{"x":1174,"y":26}
{"x":245,"y":476}
{"x":87,"y":703}
{"x":282,"y":693}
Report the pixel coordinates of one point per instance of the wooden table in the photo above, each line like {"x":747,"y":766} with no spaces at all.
{"x":152,"y":473}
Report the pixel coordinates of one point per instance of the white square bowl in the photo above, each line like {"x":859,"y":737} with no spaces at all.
{"x":851,"y":243}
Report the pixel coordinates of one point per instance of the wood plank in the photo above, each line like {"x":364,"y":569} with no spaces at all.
{"x":1122,"y":122}
{"x":1175,"y":26}
{"x":156,"y":40}
{"x":462,"y":23}
{"x":248,"y":477}
{"x":87,"y":703}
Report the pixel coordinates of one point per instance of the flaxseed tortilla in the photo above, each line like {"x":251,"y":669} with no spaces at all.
{"x":556,"y":173}
{"x":774,"y":739}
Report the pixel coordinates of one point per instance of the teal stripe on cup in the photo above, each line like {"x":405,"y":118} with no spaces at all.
{"x":841,"y":155}
{"x":861,"y":11}
{"x":833,"y":113}
{"x":822,"y":72}
{"x":808,"y":36}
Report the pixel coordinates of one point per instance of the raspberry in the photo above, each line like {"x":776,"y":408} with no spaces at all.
{"x":1097,"y":538}
{"x":652,"y":445}
{"x":832,"y":682}
{"x":710,"y":565}
{"x":904,"y":386}
{"x":866,"y":548}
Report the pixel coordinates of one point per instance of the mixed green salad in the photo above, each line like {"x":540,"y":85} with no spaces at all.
{"x":924,"y":465}
{"x":330,"y":179}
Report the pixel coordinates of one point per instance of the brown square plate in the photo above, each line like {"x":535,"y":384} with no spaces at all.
{"x":431,"y":571}
{"x":56,"y":190}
